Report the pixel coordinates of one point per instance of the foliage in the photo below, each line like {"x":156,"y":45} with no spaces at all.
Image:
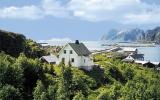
{"x":27,"y":78}
{"x":8,"y":92}
{"x":12,"y":43}
{"x":32,"y":49}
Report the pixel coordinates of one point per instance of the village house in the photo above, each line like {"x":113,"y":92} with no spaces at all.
{"x":148,"y":64}
{"x":77,"y":54}
{"x":134,"y":57}
{"x":128,"y":51}
{"x":50,"y":59}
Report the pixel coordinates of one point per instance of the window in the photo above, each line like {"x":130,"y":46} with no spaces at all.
{"x":72,"y":60}
{"x":71,"y":52}
{"x":64,"y":51}
{"x":63,"y":60}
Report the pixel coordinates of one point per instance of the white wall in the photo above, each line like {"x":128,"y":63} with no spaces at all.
{"x":78,"y":60}
{"x":69,"y":56}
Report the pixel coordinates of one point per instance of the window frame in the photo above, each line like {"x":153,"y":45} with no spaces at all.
{"x":71,"y":52}
{"x":72,"y":60}
{"x":65,"y":51}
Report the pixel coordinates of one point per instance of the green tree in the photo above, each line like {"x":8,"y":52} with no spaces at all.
{"x":8,"y":92}
{"x":32,"y":71}
{"x":10,"y":73}
{"x":40,"y":91}
{"x":79,"y":96}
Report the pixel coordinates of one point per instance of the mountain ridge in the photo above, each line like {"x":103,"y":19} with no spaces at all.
{"x":133,"y":35}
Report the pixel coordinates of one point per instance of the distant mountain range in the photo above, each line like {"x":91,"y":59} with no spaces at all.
{"x":133,"y":35}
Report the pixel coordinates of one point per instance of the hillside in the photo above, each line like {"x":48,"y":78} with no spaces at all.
{"x":15,"y":43}
{"x":133,"y":35}
{"x":23,"y":78}
{"x":26,"y":78}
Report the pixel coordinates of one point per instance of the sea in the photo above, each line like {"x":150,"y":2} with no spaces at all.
{"x":151,"y":53}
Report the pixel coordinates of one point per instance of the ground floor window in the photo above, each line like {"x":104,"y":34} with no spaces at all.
{"x":63,"y":59}
{"x":72,"y":60}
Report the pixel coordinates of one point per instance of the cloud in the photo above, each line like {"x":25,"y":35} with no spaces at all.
{"x":54,"y":8}
{"x":120,"y":11}
{"x":25,"y":12}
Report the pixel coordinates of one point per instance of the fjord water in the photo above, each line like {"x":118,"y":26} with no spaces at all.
{"x":150,"y":53}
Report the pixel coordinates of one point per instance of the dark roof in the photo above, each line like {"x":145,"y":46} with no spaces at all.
{"x":80,"y":49}
{"x":137,"y":56}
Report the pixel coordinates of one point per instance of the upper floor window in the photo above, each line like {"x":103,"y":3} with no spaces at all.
{"x":64,"y":51}
{"x":71,"y":52}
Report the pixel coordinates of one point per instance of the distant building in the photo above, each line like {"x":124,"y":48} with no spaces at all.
{"x":149,"y":64}
{"x":128,"y":51}
{"x":77,"y":54}
{"x":51,"y":59}
{"x":133,"y":57}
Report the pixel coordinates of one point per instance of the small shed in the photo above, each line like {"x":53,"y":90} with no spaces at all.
{"x":51,"y":59}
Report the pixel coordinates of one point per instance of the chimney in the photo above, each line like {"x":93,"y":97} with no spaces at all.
{"x":76,"y":42}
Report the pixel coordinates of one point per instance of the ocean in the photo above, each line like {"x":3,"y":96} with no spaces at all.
{"x":150,"y":53}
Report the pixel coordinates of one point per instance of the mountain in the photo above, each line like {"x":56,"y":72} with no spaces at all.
{"x":153,"y":35}
{"x":133,"y":35}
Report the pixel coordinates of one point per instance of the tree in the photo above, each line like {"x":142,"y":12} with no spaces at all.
{"x":9,"y":72}
{"x":128,"y":73}
{"x":104,"y":95}
{"x":40,"y":91}
{"x":52,"y":92}
{"x":32,"y":71}
{"x":12,"y":43}
{"x":79,"y":96}
{"x":62,"y":94}
{"x":8,"y":92}
{"x":33,"y":50}
{"x":63,"y":88}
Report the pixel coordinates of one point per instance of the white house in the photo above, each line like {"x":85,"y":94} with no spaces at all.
{"x":77,"y":54}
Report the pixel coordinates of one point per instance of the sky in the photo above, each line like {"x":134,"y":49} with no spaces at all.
{"x":76,"y":19}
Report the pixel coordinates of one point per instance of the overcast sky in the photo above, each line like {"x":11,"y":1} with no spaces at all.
{"x":76,"y":19}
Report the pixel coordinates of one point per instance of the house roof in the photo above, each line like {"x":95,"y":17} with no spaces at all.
{"x":136,"y":56}
{"x":50,"y":58}
{"x":80,"y":49}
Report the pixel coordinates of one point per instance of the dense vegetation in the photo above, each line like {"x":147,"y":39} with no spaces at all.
{"x":24,"y":77}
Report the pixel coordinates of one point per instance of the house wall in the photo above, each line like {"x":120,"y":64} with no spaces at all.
{"x":79,"y":61}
